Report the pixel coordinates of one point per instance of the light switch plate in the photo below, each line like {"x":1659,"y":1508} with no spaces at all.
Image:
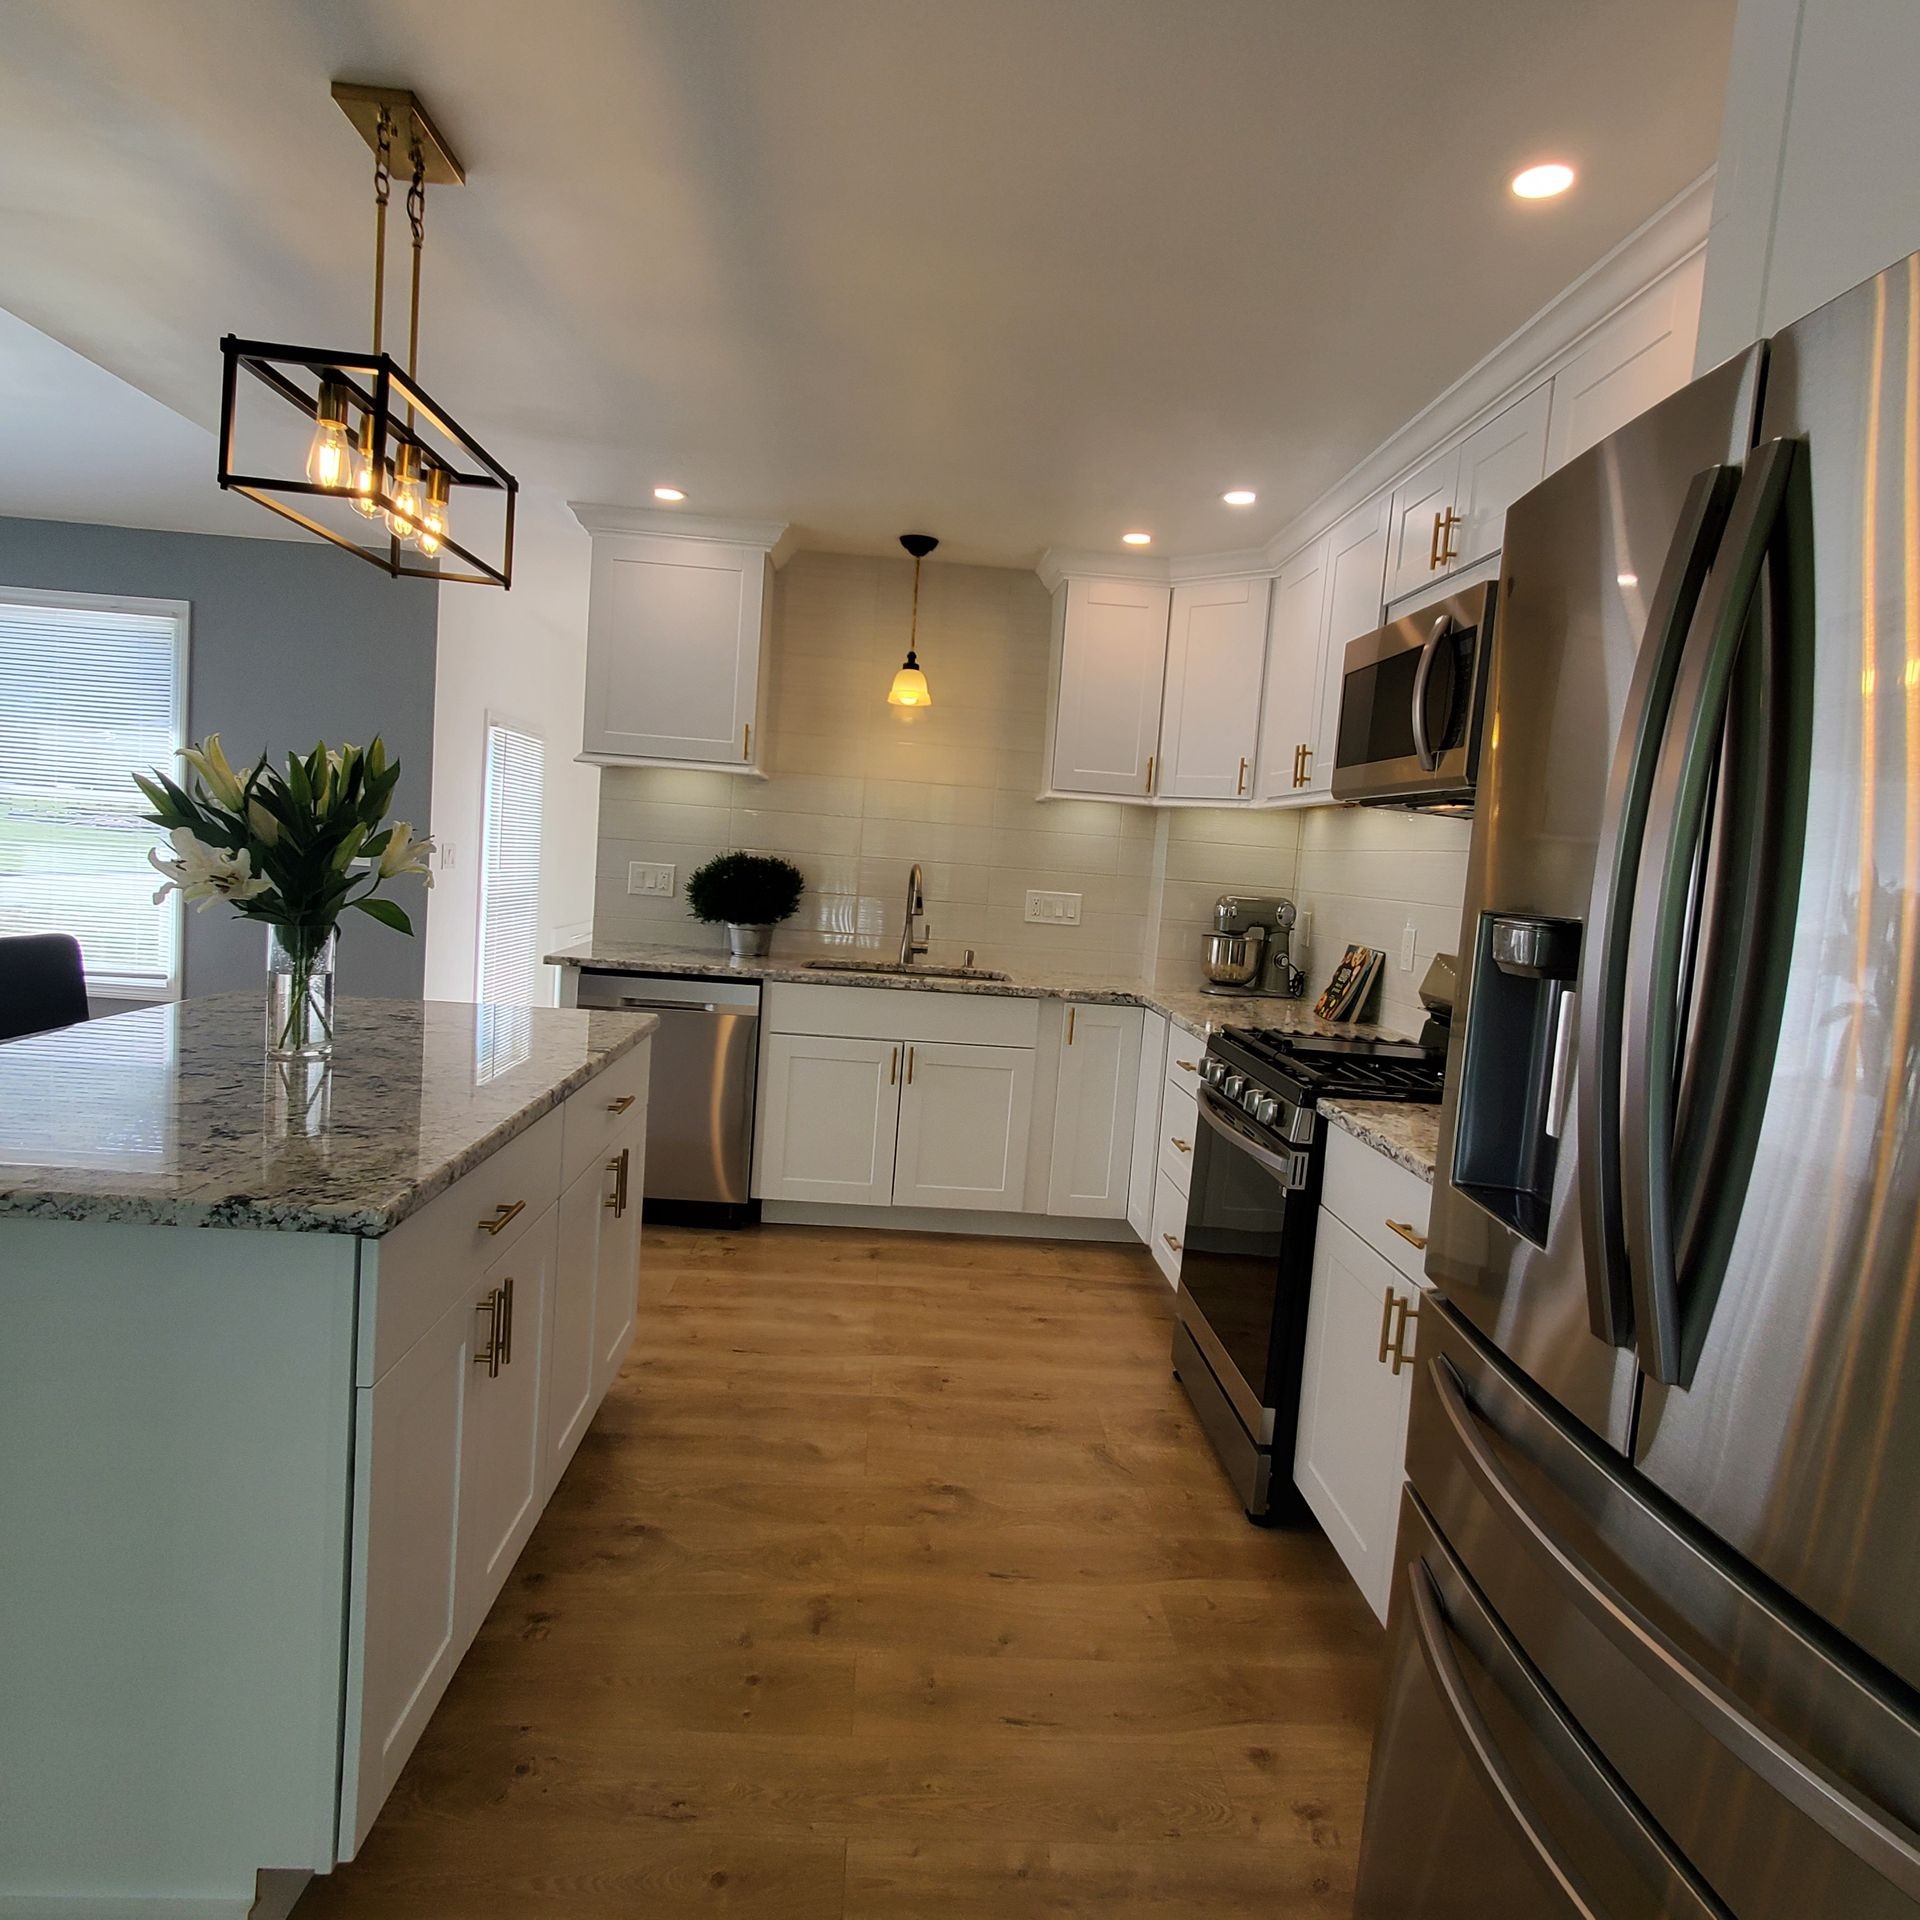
{"x":1407,"y":940}
{"x":1053,"y":909}
{"x":645,"y":876}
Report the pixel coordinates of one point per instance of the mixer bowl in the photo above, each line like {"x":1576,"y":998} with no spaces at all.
{"x":1233,"y":959}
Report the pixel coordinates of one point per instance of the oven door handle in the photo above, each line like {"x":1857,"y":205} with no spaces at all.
{"x":1424,"y":751}
{"x":1288,"y":1166}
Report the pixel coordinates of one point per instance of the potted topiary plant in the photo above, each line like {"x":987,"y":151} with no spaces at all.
{"x":749,"y":892}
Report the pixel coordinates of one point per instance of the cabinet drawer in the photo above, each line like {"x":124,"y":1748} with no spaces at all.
{"x":901,"y":1013}
{"x":1184,"y":1054}
{"x":606,"y":1107}
{"x":1169,"y":1226}
{"x":1367,"y":1192}
{"x":427,"y":1259}
{"x":1179,"y":1121}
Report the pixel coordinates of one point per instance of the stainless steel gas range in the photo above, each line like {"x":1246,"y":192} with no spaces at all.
{"x":1247,"y":1256}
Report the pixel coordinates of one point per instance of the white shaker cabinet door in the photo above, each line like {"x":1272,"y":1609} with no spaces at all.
{"x":1421,"y":531}
{"x":408,"y":1629}
{"x":1209,"y":722}
{"x":829,"y":1109}
{"x":966,"y":1113}
{"x":1113,"y":662}
{"x":1093,"y":1115}
{"x":1154,"y":1033}
{"x":503,"y":1480}
{"x":1356,"y":563}
{"x":1498,"y":463}
{"x":617,"y":1280}
{"x":674,"y":633}
{"x":1290,"y":704}
{"x":1351,"y":1441}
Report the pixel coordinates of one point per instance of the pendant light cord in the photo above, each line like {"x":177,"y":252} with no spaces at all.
{"x":382,"y":178}
{"x":913,"y":625}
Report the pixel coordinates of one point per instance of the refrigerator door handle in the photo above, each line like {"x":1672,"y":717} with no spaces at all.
{"x":1677,"y":826}
{"x":1886,"y":1845}
{"x":1603,"y":991}
{"x":1680,"y":1891}
{"x":1423,"y":749}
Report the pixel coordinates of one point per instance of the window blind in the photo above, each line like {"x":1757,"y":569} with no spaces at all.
{"x":509,"y":949}
{"x":90,"y":693}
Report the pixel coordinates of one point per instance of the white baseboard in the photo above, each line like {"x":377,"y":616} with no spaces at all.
{"x":1007,"y":1226}
{"x":276,"y":1891}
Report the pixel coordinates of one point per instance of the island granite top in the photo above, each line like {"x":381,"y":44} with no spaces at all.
{"x":1190,"y":1008}
{"x":1408,"y":1133}
{"x":173,"y":1116}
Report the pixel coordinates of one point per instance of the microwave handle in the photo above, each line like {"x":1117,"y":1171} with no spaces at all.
{"x":1428,"y":757}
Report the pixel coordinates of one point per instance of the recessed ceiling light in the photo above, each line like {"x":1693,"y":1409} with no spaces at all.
{"x":1543,"y":182}
{"x":1240,"y":497}
{"x":1627,"y":579}
{"x":1136,"y":539}
{"x":668,"y":493}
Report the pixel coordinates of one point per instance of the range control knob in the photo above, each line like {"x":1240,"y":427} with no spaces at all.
{"x":1213,"y":1071}
{"x":1234,"y":1086}
{"x":1264,"y":1108}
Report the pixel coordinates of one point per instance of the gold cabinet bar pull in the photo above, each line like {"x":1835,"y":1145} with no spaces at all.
{"x":1409,"y":1233}
{"x":909,"y":1066}
{"x":746,"y":736}
{"x":1449,"y":553}
{"x":489,"y":1355}
{"x":1386,"y":1326}
{"x":1149,"y":785}
{"x":1240,"y":785}
{"x":1171,"y":1241}
{"x":1184,"y":1146}
{"x":1396,"y":1313}
{"x":506,"y":1323}
{"x":622,"y":1104}
{"x":1188,"y":1066}
{"x":616,"y":1202}
{"x":893,"y":1067}
{"x":503,"y":1215}
{"x":1070,"y":1014}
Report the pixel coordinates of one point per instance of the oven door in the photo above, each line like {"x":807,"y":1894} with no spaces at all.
{"x":1238,"y":1261}
{"x":1410,"y":706}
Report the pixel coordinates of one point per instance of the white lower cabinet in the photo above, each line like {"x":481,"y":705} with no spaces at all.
{"x":1154,"y":1032}
{"x":1168,"y":1228}
{"x":616,"y":1272}
{"x":1093,"y":1116}
{"x":965,"y":1116}
{"x":828,"y":1114}
{"x":1352,"y":1438}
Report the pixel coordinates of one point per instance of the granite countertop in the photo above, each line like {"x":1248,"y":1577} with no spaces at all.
{"x":1199,"y":1013}
{"x":173,"y":1115}
{"x":1408,"y":1134}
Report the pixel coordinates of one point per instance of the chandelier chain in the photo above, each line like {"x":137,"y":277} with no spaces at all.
{"x":417,"y":220}
{"x":382,"y":178}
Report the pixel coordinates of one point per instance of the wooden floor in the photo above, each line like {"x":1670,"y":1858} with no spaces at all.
{"x":895,"y":1580}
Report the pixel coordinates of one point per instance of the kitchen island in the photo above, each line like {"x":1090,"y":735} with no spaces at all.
{"x":294,"y":1356}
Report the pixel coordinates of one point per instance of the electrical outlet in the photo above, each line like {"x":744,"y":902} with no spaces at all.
{"x":1053,"y":909}
{"x":644,"y":876}
{"x":1407,"y":939}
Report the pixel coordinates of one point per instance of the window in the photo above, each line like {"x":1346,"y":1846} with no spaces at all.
{"x":92,"y":690}
{"x":508,"y":968}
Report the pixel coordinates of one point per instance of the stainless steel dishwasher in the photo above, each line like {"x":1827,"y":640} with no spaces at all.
{"x":706,"y":1059}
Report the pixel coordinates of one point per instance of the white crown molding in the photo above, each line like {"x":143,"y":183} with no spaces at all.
{"x":671,"y":524}
{"x":1527,"y":356}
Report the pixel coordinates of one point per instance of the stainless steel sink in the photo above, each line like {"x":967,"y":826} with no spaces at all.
{"x":905,"y":972}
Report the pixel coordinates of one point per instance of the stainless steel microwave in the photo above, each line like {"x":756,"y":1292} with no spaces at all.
{"x":1410,"y":702}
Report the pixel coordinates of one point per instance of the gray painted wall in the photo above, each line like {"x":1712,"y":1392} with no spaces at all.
{"x":290,"y":642}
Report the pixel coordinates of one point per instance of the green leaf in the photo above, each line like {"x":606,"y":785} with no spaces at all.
{"x":299,"y":787}
{"x":387,"y":914}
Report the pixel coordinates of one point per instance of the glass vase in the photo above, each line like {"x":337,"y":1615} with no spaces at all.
{"x":299,"y":992}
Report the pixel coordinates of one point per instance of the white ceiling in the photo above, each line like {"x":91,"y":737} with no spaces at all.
{"x":1020,"y":272}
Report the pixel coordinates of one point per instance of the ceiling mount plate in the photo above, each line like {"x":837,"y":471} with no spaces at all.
{"x":361,"y":104}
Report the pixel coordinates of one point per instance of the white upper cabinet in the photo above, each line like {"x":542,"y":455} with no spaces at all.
{"x":1498,"y":463}
{"x":1356,"y":566}
{"x":1209,"y":729}
{"x":676,"y":638}
{"x":1422,"y":506}
{"x":1113,"y":662}
{"x":1627,"y":364}
{"x":1452,"y":512}
{"x":1290,"y":707}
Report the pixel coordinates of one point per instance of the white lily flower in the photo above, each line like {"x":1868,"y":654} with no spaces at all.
{"x":265,"y":828}
{"x":209,"y":761}
{"x":406,"y":855}
{"x":204,"y":874}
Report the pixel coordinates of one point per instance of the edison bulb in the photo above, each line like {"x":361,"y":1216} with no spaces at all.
{"x":366,"y":475}
{"x":404,"y":521}
{"x":330,"y":452}
{"x":433,"y":520}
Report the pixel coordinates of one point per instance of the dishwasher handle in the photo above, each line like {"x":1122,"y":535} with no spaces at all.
{"x":631,"y":1004}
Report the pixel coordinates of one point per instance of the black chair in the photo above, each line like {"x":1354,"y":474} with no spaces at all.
{"x":43,"y":984}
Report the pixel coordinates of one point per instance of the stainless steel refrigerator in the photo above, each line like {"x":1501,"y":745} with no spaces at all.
{"x":1655,"y":1635}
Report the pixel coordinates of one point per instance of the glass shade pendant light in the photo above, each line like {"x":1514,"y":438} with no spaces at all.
{"x":330,"y":452}
{"x":909,"y":687}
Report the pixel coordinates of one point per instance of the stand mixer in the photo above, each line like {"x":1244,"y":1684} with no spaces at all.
{"x":1248,"y":953}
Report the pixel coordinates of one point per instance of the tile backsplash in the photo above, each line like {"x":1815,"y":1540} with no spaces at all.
{"x":858,"y":790}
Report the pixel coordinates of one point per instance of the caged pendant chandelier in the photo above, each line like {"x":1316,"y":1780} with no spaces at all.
{"x":909,"y":687}
{"x":377,"y":443}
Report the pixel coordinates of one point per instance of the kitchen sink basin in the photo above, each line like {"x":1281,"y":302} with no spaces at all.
{"x":905,"y":972}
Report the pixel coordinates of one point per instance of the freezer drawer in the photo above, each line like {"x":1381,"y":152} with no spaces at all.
{"x":1783,"y":1768}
